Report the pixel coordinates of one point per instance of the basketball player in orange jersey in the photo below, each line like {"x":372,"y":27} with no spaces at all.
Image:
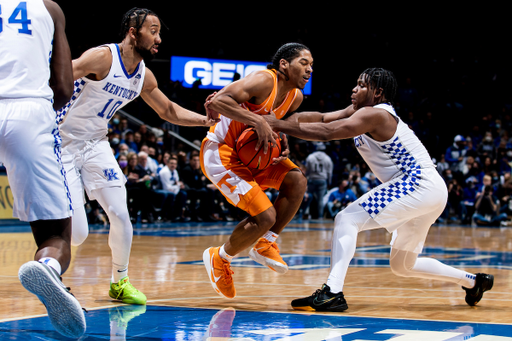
{"x":241,"y":104}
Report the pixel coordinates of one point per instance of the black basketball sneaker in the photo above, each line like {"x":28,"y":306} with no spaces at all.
{"x":483,"y":283}
{"x":322,"y":300}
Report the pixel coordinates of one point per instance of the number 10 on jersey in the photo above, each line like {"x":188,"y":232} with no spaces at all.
{"x":111,"y":109}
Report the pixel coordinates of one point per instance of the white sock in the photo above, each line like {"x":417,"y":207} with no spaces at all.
{"x":430,"y":268}
{"x":224,"y":255}
{"x":119,"y":272}
{"x":408,"y":264}
{"x":270,"y":236}
{"x":52,"y":263}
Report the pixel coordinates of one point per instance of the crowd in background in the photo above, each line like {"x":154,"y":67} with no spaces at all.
{"x":165,"y":181}
{"x":468,"y":136}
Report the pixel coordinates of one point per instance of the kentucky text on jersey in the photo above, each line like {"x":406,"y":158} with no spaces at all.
{"x":120,"y":91}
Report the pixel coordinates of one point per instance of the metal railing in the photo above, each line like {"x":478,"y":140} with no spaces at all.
{"x":172,"y":133}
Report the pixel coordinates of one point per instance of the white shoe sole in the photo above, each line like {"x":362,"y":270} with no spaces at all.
{"x":272,"y":264}
{"x":64,"y":310}
{"x":209,"y":270}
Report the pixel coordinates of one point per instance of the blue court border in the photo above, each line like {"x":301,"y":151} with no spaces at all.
{"x":174,"y":323}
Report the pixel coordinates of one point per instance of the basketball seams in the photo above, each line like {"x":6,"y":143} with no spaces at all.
{"x":257,"y":155}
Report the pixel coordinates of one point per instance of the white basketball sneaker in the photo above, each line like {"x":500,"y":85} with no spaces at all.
{"x":64,"y":310}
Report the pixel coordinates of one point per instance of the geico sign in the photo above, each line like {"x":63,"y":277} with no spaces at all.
{"x":216,"y":74}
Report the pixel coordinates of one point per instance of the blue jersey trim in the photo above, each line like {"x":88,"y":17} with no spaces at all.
{"x":122,"y":65}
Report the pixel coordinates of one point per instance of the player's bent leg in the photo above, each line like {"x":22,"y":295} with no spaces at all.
{"x":249,"y":230}
{"x":408,"y":264}
{"x":80,"y":224}
{"x":53,"y":239}
{"x":291,"y":191}
{"x":113,"y":201}
{"x":217,"y":259}
{"x":347,"y":224}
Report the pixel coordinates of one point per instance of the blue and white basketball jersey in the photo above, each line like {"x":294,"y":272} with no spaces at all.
{"x":402,"y":154}
{"x":94,"y":103}
{"x":26,"y":37}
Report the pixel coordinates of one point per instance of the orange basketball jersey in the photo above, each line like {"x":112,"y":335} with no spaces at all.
{"x":228,"y":130}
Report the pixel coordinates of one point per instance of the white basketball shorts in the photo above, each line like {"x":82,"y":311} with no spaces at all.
{"x":404,"y":209}
{"x":90,"y":164}
{"x":30,"y":148}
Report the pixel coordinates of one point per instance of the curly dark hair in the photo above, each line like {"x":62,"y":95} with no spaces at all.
{"x":134,"y":18}
{"x":382,"y":78}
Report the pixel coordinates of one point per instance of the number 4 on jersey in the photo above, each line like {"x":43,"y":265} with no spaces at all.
{"x":19,"y":16}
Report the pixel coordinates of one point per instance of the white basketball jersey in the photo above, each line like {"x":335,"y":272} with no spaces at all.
{"x":402,"y":154}
{"x":94,"y":103}
{"x":26,"y":36}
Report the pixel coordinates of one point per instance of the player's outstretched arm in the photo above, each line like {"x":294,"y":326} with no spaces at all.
{"x":61,"y":80}
{"x":315,"y":116}
{"x":168,"y":110}
{"x":363,"y":121}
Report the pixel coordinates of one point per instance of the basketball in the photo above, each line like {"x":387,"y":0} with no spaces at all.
{"x":252,"y":158}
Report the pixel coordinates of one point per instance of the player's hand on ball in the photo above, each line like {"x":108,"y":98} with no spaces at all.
{"x":265,"y":135}
{"x":285,"y":150}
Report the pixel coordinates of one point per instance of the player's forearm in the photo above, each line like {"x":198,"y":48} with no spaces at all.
{"x":228,"y":107}
{"x":306,"y":116}
{"x":183,"y":117}
{"x":314,"y":116}
{"x":305,"y":131}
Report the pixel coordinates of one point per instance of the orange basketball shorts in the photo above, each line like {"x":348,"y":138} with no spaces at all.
{"x":243,"y":187}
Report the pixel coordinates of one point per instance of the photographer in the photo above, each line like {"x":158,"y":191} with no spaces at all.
{"x":339,"y":199}
{"x":487,"y":209}
{"x":455,"y":211}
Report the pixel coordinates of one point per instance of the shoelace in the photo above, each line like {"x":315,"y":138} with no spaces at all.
{"x":121,"y":288}
{"x":228,"y":272}
{"x":274,"y":245}
{"x":322,"y":290}
{"x":270,"y":245}
{"x":318,"y":292}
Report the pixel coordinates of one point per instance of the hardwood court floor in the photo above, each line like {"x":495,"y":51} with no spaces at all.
{"x":166,"y":264}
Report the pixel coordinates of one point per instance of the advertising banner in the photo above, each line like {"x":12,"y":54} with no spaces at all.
{"x":214,"y":73}
{"x":6,"y":199}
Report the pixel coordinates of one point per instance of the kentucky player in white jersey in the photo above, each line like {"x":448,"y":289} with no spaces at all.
{"x":407,"y":203}
{"x":36,"y":79}
{"x":107,"y":78}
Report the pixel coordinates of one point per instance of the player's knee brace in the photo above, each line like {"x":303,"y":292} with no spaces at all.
{"x":118,"y":212}
{"x":349,"y":219}
{"x":402,"y":262}
{"x":79,"y":234}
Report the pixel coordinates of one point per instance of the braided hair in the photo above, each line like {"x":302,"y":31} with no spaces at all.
{"x":380,"y":78}
{"x":287,"y":52}
{"x":134,"y":18}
